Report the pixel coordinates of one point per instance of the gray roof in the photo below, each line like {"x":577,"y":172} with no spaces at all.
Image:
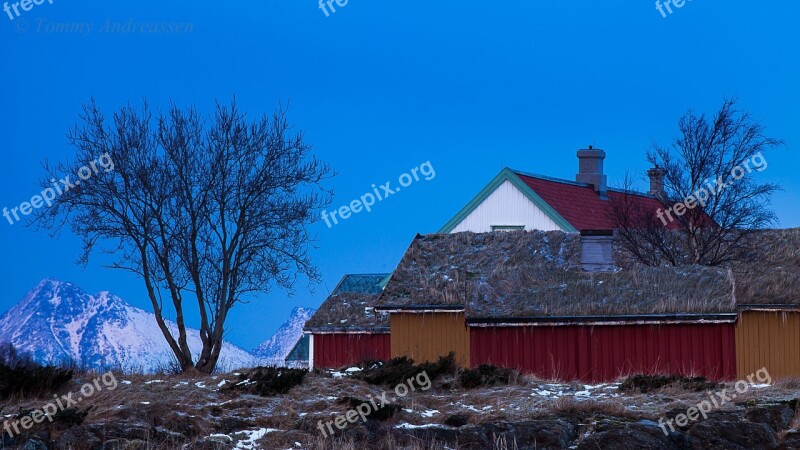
{"x":529,"y":274}
{"x":351,"y":306}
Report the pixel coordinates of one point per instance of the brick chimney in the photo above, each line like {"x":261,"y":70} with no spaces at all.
{"x":656,"y":175}
{"x":597,"y":251}
{"x":590,"y":169}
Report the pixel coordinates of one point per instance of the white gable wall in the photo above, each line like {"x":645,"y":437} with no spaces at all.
{"x":507,"y":205}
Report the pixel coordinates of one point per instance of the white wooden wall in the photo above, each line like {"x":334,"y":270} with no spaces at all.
{"x":507,"y":205}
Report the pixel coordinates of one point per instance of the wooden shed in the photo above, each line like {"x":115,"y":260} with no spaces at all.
{"x":526,"y":300}
{"x":334,"y":349}
{"x":768,"y":336}
{"x":768,"y":297}
{"x":428,"y":334}
{"x":597,"y":349}
{"x":346,"y":329}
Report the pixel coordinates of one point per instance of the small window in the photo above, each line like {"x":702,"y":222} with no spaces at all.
{"x":507,"y":227}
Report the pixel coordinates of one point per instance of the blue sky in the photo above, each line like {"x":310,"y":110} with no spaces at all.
{"x":382,"y":87}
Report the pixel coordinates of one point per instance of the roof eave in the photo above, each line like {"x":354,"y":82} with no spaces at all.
{"x":419,"y":308}
{"x":629,"y":319}
{"x":346,"y":330}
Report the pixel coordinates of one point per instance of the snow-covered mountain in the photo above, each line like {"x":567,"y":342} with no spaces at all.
{"x":274,"y":350}
{"x":58,"y":321}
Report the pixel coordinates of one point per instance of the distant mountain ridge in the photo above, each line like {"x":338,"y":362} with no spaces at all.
{"x":274,"y":350}
{"x":58,"y":321}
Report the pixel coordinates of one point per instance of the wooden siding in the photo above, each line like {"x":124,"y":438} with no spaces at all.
{"x":771,"y":340}
{"x":336,"y":350}
{"x":427,"y":336}
{"x":604,"y":353}
{"x":507,"y":205}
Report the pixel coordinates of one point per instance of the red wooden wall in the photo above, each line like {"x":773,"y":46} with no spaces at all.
{"x":337,"y":350}
{"x":604,"y":353}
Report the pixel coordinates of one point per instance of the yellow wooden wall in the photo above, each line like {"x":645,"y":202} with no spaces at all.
{"x":768,"y":339}
{"x":427,"y":336}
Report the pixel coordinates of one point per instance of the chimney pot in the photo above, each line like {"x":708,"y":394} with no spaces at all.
{"x":590,"y":169}
{"x":656,"y":175}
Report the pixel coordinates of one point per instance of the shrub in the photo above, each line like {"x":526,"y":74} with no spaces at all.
{"x":269,"y":381}
{"x":31,"y":382}
{"x":647,"y":383}
{"x":486,"y":375}
{"x":384,"y":412}
{"x":398,"y":370}
{"x":9,"y":356}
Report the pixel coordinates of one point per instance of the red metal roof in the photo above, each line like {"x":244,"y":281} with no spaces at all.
{"x":580,"y":205}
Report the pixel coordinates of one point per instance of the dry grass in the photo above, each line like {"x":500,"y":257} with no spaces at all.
{"x":526,"y":274}
{"x":537,"y":274}
{"x":773,"y":276}
{"x":178,"y":405}
{"x":348,"y":311}
{"x":351,"y":305}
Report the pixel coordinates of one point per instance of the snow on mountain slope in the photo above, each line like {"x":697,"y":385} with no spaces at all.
{"x":57,"y":321}
{"x":274,"y":350}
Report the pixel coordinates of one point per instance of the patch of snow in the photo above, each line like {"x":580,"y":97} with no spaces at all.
{"x":408,"y":426}
{"x":221,"y":436}
{"x":249,"y":443}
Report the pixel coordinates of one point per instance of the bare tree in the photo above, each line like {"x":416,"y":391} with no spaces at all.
{"x":10,"y":357}
{"x":207,"y":212}
{"x":712,"y":201}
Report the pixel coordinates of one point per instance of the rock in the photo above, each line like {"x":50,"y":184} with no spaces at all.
{"x":6,"y":440}
{"x":632,"y":435}
{"x":34,"y":444}
{"x":538,"y":434}
{"x":456,"y":420}
{"x":529,"y":435}
{"x":232,"y":424}
{"x":778,"y":417}
{"x":124,"y":444}
{"x":211,"y":443}
{"x":181,"y":423}
{"x":791,"y":440}
{"x":120,"y":430}
{"x":163,"y":435}
{"x":715,"y":433}
{"x":78,"y":437}
{"x":71,"y":416}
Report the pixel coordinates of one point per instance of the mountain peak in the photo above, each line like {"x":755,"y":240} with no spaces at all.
{"x":275,"y":349}
{"x":58,"y":321}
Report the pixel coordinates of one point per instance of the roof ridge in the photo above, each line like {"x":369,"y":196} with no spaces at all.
{"x":548,"y":178}
{"x":374,"y":274}
{"x":579,"y":184}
